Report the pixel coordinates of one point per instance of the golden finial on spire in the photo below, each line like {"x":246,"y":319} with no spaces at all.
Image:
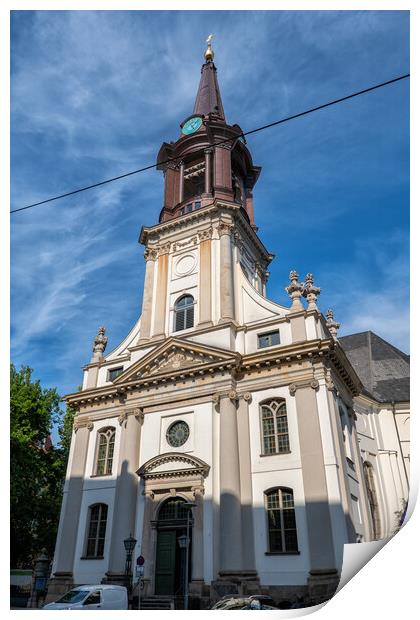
{"x":209,"y":54}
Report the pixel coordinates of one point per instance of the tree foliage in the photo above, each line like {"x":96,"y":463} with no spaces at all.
{"x":37,"y":467}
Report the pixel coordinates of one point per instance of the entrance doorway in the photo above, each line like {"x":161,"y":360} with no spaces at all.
{"x":170,"y":557}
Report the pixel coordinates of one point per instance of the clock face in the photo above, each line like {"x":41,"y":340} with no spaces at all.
{"x":177,"y":434}
{"x":191,"y":125}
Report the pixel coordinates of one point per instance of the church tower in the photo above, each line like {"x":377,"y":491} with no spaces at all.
{"x":206,"y":226}
{"x":223,"y":418}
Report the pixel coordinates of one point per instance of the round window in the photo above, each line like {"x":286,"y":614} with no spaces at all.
{"x":177,"y":434}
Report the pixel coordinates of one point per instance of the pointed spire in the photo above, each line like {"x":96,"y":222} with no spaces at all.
{"x":209,"y":100}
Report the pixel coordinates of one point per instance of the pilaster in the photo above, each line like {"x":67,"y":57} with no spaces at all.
{"x":146,"y":314}
{"x":248,"y":543}
{"x":230,"y":488}
{"x":161,"y":303}
{"x":323,"y":574}
{"x":227,"y":300}
{"x":197,"y":576}
{"x":72,"y":501}
{"x":205,"y":290}
{"x":123,"y":522}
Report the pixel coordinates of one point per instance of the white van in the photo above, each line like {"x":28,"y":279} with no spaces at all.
{"x":92,"y":597}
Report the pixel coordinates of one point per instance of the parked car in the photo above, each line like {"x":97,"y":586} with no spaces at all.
{"x":92,"y":597}
{"x":255,"y":601}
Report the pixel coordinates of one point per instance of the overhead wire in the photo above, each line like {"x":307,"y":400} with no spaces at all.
{"x":218,"y":143}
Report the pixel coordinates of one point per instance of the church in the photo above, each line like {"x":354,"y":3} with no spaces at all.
{"x":240,"y":443}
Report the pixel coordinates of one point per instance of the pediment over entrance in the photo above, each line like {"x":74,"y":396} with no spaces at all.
{"x":173,"y":465}
{"x":176,"y":356}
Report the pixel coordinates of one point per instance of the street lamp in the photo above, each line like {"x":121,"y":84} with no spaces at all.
{"x":129,"y":544}
{"x":184,"y":543}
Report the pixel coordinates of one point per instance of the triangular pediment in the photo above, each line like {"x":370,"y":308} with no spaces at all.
{"x":176,"y":356}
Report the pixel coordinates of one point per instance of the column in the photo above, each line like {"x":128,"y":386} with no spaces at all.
{"x":222,"y":172}
{"x":146,"y":313}
{"x":147,"y":540}
{"x":207,"y":179}
{"x":342,"y":471}
{"x":197,"y":572}
{"x":125,"y":500}
{"x":321,"y":546}
{"x":161,"y":292}
{"x":72,"y":501}
{"x":181,"y":181}
{"x":248,"y":544}
{"x":227,"y":301}
{"x":361,"y":477}
{"x":205,"y":317}
{"x":230,"y":488}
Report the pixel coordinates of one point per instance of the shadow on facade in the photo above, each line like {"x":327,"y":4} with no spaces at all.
{"x":245,"y":549}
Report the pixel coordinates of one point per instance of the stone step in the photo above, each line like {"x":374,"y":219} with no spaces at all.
{"x":157,"y":602}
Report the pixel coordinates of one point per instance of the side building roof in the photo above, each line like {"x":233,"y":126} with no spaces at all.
{"x":383,"y":369}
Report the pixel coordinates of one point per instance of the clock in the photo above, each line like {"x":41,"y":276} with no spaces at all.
{"x":191,"y":125}
{"x":177,"y":434}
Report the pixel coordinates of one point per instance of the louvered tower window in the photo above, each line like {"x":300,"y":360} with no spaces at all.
{"x":184,"y":313}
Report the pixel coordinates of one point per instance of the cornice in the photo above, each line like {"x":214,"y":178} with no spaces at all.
{"x":313,"y":351}
{"x":105,"y":362}
{"x":215,"y":209}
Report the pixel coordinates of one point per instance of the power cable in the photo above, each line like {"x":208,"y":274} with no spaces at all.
{"x":245,"y":133}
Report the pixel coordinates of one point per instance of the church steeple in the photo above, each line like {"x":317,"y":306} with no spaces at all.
{"x":209,"y":100}
{"x":210,"y":160}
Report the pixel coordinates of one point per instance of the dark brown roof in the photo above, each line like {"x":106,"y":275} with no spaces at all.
{"x":383,"y":369}
{"x":208,"y":100}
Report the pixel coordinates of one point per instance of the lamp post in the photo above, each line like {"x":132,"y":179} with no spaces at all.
{"x":184,"y":543}
{"x":129,"y":544}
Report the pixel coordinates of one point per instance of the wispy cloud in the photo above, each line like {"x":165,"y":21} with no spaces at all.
{"x":94,"y":93}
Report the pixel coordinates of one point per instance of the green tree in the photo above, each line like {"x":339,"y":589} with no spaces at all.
{"x":37,"y":467}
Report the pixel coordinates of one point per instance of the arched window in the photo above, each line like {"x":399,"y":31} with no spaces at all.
{"x":274,"y":429}
{"x":372,"y":498}
{"x":174,"y":509}
{"x":281,"y":522}
{"x":96,"y":530}
{"x":184,"y":313}
{"x":105,"y":451}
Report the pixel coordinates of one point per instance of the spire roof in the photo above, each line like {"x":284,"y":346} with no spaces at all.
{"x":209,"y":100}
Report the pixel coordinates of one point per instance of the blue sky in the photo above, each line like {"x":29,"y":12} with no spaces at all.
{"x":94,"y":94}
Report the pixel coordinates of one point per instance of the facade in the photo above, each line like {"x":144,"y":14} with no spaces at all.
{"x":221,"y":397}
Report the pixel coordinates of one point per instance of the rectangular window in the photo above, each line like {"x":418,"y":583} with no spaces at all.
{"x":197,"y":204}
{"x":96,"y":530}
{"x":189,"y":208}
{"x":269,"y":339}
{"x":113,"y":373}
{"x":280,"y":509}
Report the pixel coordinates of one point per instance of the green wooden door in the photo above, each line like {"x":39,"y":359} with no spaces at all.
{"x":165,"y":562}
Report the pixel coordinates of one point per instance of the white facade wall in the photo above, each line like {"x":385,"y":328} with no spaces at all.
{"x":99,"y":489}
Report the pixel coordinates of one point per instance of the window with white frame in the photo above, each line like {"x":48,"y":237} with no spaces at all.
{"x":105,"y":451}
{"x":274,"y":427}
{"x":96,"y":530}
{"x":281,"y":520}
{"x":269,"y":339}
{"x":113,"y":373}
{"x":184,"y":313}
